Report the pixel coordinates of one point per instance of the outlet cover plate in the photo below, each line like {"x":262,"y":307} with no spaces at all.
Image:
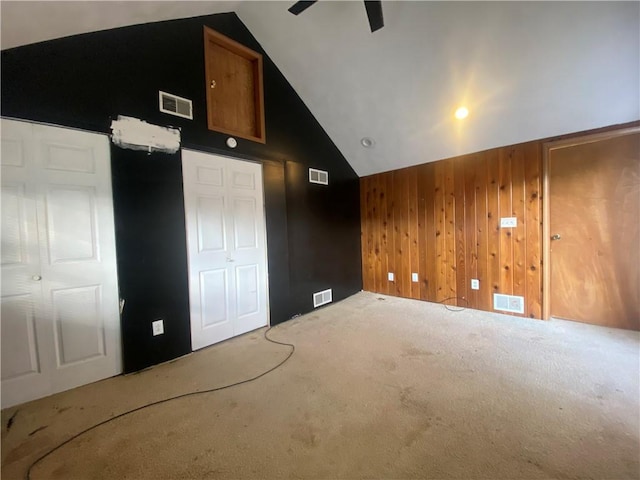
{"x":508,"y":222}
{"x":158,"y":327}
{"x":390,"y":276}
{"x":414,"y":277}
{"x":475,"y":284}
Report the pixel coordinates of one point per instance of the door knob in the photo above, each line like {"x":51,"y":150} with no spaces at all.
{"x":556,"y":237}
{"x":37,"y":278}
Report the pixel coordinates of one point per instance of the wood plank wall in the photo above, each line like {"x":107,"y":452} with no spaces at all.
{"x":441,"y":220}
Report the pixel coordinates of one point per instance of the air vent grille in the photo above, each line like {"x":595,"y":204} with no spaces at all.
{"x":174,"y":105}
{"x":322,"y":298}
{"x":508,"y":303}
{"x":318,"y":176}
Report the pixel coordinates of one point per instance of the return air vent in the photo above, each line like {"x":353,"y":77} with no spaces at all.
{"x":318,"y":176}
{"x":508,"y":303}
{"x":322,"y":298}
{"x":174,"y":105}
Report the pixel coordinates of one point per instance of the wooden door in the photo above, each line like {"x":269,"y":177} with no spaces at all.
{"x":593,"y":234}
{"x":235,"y":93}
{"x":226,"y":244}
{"x":60,"y":322}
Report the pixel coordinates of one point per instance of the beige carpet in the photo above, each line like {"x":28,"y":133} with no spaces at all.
{"x":379,"y":387}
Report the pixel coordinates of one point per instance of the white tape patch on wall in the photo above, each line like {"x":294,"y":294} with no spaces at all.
{"x":135,"y":134}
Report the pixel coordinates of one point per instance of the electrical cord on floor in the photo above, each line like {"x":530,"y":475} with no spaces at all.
{"x":188,"y":394}
{"x":448,"y":307}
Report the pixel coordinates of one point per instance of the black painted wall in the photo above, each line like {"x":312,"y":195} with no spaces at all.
{"x":313,"y":231}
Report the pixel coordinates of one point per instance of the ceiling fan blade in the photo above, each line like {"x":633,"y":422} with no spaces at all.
{"x":299,"y":7}
{"x":374,"y":12}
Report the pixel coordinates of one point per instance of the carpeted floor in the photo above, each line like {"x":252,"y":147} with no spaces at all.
{"x":379,"y":387}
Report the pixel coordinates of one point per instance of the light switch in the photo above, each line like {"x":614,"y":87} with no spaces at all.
{"x":414,"y":277}
{"x":390,"y":276}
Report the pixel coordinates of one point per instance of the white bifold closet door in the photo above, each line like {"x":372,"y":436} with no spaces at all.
{"x":60,"y":323}
{"x":226,"y":243}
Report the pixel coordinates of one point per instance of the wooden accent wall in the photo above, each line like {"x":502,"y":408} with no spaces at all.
{"x":441,"y":220}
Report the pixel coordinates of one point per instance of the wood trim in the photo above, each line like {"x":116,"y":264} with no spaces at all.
{"x":593,"y":131}
{"x":547,"y":148}
{"x":260,"y":122}
{"x":230,"y":44}
{"x":546,"y":234}
{"x":590,"y":138}
{"x":235,"y":133}
{"x":256,"y":58}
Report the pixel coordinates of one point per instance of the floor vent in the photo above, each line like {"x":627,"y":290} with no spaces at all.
{"x":174,"y":105}
{"x":508,"y":303}
{"x":322,"y":298}
{"x":318,"y":176}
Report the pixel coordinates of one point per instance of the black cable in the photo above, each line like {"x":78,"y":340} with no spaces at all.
{"x":448,"y":306}
{"x":188,"y":394}
{"x":454,"y":309}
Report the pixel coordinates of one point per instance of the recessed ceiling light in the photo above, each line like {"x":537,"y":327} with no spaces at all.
{"x":461,"y":113}
{"x":367,"y":142}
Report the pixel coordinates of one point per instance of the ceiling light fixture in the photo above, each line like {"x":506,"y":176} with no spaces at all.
{"x":461,"y":113}
{"x":367,"y":142}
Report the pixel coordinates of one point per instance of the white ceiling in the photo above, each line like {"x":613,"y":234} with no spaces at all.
{"x":25,"y":22}
{"x":525,"y":70}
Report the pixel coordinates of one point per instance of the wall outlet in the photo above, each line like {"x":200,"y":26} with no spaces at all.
{"x":157,"y":327}
{"x":390,"y":276}
{"x":508,"y":222}
{"x":475,"y":284}
{"x":414,"y":277}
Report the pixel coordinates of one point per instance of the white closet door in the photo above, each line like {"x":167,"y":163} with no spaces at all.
{"x":71,"y":272}
{"x":26,"y":370}
{"x":226,"y":243}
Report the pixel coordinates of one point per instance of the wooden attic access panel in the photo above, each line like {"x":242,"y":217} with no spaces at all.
{"x":235,"y":95}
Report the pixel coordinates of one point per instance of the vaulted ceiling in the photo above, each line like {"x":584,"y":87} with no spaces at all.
{"x":525,"y":70}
